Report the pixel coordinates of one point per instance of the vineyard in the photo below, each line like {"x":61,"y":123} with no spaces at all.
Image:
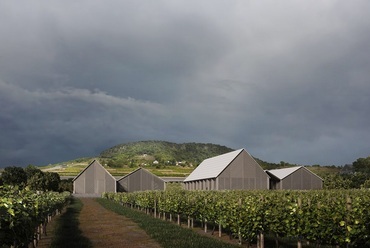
{"x":335,"y":217}
{"x":24,"y":214}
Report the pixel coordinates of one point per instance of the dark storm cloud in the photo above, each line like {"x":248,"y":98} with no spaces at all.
{"x":70,"y":121}
{"x":287,"y":81}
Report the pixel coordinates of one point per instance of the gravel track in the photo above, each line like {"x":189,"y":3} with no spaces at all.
{"x":105,"y":228}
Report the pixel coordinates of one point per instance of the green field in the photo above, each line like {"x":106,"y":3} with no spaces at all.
{"x":73,"y":169}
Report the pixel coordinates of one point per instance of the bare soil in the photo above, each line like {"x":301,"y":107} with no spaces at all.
{"x":105,"y":228}
{"x":46,"y":240}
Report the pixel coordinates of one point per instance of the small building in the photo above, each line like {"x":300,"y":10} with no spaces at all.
{"x":140,"y":180}
{"x":294,"y":178}
{"x":94,"y":179}
{"x":233,"y":170}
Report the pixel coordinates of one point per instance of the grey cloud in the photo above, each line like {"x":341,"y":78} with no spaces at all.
{"x":286,"y":81}
{"x":63,"y":121}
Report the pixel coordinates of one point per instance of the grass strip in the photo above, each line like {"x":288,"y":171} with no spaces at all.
{"x":66,"y":232}
{"x":165,"y":233}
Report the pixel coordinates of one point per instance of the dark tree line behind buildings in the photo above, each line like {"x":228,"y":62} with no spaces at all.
{"x":355,"y":175}
{"x":34,"y":178}
{"x":350,"y":176}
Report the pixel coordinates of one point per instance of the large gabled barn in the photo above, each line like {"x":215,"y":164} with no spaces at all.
{"x":94,"y":179}
{"x":233,"y":170}
{"x":294,"y":178}
{"x":140,"y":180}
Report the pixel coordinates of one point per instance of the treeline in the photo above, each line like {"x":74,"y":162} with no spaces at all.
{"x":351,"y":176}
{"x":34,"y":179}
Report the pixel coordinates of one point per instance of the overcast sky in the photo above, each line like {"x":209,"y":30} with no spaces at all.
{"x":286,"y":80}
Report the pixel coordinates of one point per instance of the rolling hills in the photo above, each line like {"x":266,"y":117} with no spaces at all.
{"x":160,"y":157}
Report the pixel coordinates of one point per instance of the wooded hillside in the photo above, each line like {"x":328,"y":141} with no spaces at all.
{"x":160,"y":153}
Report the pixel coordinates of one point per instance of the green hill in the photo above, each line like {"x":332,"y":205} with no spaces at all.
{"x":161,"y":158}
{"x":160,"y":153}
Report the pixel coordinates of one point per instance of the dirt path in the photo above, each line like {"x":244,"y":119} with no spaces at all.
{"x":46,"y":240}
{"x":105,"y":228}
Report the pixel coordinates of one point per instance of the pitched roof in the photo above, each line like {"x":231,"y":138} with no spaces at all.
{"x":212,"y":167}
{"x":140,"y":168}
{"x":283,"y":173}
{"x":93,"y":162}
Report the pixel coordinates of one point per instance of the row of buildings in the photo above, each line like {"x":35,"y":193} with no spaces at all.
{"x":233,"y":170}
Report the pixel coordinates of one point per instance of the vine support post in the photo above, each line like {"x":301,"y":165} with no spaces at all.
{"x":276,"y":240}
{"x":262,"y":240}
{"x":219,"y":230}
{"x":239,"y":231}
{"x":44,"y":228}
{"x":299,"y":243}
{"x":348,"y":216}
{"x":205,"y":219}
{"x":155,"y":209}
{"x":239,"y":237}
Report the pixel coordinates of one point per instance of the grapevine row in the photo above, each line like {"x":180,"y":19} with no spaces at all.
{"x":335,"y":217}
{"x":24,"y":214}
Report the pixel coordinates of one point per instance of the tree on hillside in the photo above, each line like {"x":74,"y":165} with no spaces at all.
{"x":13,"y":175}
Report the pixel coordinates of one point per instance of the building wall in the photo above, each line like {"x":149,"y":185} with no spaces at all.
{"x":140,"y":180}
{"x":243,"y":173}
{"x":205,"y":184}
{"x":302,"y":179}
{"x":79,"y":185}
{"x":94,"y":180}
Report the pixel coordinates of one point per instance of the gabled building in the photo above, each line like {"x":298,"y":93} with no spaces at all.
{"x":140,"y":180}
{"x":294,"y":178}
{"x":233,"y":170}
{"x":94,"y":179}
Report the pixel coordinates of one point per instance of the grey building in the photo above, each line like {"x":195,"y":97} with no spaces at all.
{"x":233,"y":170}
{"x":94,"y":179}
{"x":294,"y":178}
{"x":140,"y":180}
